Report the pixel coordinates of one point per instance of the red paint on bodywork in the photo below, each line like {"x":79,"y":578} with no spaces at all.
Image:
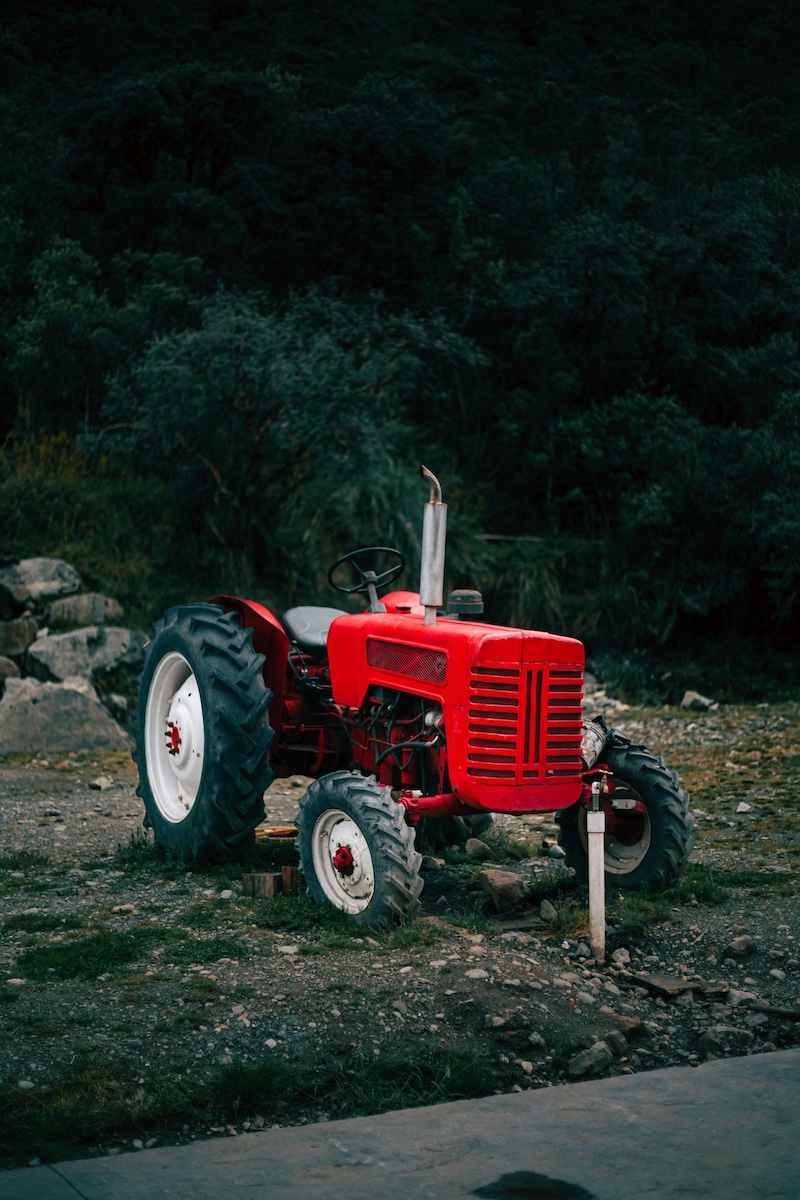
{"x":511,"y":700}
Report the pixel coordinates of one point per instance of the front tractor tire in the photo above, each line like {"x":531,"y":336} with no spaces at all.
{"x":647,"y":847}
{"x":356,"y":850}
{"x":203,"y":735}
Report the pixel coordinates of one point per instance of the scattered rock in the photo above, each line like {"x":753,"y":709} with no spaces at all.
{"x":548,"y":912}
{"x":732,"y":1036}
{"x":477,"y":973}
{"x":695,"y":700}
{"x":616,"y":1042}
{"x":744,"y":807}
{"x":591,"y":1061}
{"x":735,"y":997}
{"x":664,"y":985}
{"x":621,"y":956}
{"x":741,"y":947}
{"x":633,"y":1026}
{"x":506,"y":889}
{"x":475,"y":848}
{"x":102,"y":783}
{"x":556,"y":852}
{"x":429,"y":863}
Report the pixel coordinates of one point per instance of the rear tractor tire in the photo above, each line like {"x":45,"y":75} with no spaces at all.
{"x":646,"y":848}
{"x":203,"y":735}
{"x":356,"y":850}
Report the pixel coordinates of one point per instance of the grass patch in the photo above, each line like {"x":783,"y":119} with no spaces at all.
{"x":83,"y":1105}
{"x":571,"y":920}
{"x":41,"y":923}
{"x":248,"y":1088}
{"x":634,"y":913}
{"x":555,"y":883}
{"x":22,"y":860}
{"x":86,"y":958}
{"x":299,"y":914}
{"x":383,"y":1084}
{"x":193,"y":950}
{"x":761,"y":882}
{"x":505,"y":847}
{"x":90,"y":1103}
{"x":701,"y":883}
{"x":204,"y":916}
{"x":471,"y":920}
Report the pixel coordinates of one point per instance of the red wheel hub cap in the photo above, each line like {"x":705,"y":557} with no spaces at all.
{"x":343,"y":860}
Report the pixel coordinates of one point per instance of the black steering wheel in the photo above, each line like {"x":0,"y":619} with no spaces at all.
{"x":368,"y":580}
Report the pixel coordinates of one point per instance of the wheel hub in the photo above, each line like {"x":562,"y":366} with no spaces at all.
{"x":343,"y":861}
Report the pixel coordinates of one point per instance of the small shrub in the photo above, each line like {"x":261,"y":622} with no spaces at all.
{"x":88,"y":957}
{"x":383,"y":1084}
{"x":41,"y":922}
{"x":22,"y":860}
{"x":193,"y":950}
{"x":239,"y":1088}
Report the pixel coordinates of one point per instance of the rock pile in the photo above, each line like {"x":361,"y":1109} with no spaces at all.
{"x":48,"y":697}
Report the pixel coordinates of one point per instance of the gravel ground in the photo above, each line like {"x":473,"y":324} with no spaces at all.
{"x":710,"y":972}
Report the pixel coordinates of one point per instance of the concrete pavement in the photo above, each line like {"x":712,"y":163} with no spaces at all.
{"x":727,"y":1129}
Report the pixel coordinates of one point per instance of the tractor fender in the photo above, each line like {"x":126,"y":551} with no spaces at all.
{"x":269,"y":639}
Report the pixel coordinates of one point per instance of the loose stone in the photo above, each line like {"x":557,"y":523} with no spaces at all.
{"x":591,"y":1061}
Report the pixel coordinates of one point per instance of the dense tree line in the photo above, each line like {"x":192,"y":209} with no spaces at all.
{"x":281,"y":253}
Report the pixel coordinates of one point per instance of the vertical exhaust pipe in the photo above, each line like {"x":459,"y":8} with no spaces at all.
{"x":434,"y":527}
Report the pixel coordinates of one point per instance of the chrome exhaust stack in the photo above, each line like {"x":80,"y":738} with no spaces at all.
{"x":434,"y":531}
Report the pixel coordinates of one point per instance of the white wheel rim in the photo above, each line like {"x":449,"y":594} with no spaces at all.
{"x":174,"y":737}
{"x":337,"y":834}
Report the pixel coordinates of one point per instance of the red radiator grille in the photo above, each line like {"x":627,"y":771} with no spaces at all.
{"x":564,"y":723}
{"x":524,"y":724}
{"x":418,"y":662}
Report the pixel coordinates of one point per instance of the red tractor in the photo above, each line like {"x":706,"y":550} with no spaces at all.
{"x":405,"y":717}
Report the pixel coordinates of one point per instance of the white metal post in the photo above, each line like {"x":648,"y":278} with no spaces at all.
{"x":596,"y":837}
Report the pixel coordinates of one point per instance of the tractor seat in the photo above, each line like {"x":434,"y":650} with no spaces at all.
{"x":308,"y":627}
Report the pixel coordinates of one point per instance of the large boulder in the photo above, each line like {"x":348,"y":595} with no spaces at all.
{"x":88,"y":608}
{"x":33,"y":581}
{"x":36,"y":717}
{"x":90,"y":653}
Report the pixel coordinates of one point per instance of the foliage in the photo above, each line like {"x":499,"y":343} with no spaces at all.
{"x":263,"y":264}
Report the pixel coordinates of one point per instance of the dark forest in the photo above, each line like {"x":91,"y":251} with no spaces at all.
{"x":258,"y":260}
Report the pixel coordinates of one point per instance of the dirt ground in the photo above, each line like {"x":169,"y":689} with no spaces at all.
{"x":202,"y":978}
